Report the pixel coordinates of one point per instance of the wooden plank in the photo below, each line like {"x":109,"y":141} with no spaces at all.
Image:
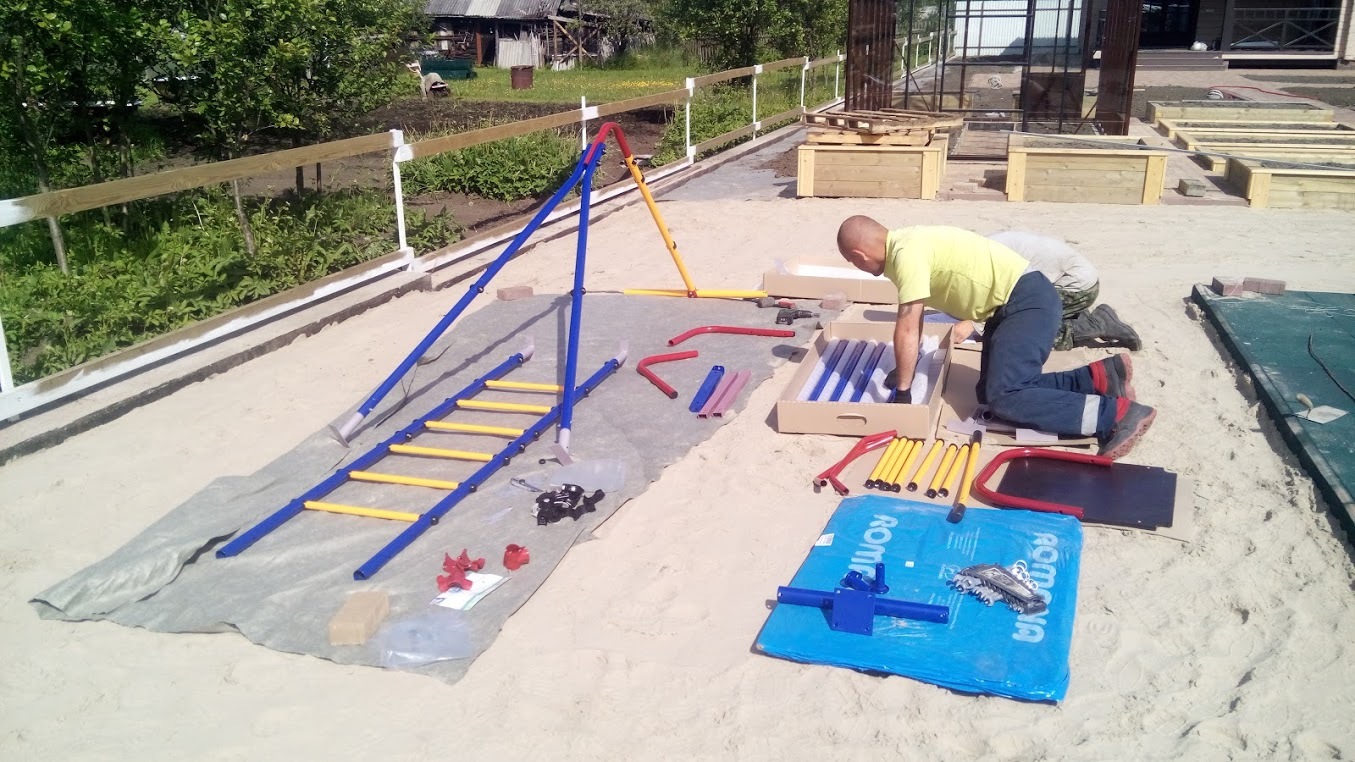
{"x":1085,"y":178}
{"x":1089,"y":161}
{"x":722,"y":76}
{"x":1154,"y":179}
{"x":916,"y":138}
{"x":826,"y":60}
{"x":1286,"y":199}
{"x":784,"y":116}
{"x":864,"y":159}
{"x":830,"y":173}
{"x":873,"y":189}
{"x":784,"y":63}
{"x":1067,"y":194}
{"x":1258,"y":190}
{"x":434,"y":146}
{"x":644,"y":101}
{"x":1016,"y":176}
{"x":1313,"y":183}
{"x":805,"y":176}
{"x":931,"y":174}
{"x":71,"y":200}
{"x":720,"y":140}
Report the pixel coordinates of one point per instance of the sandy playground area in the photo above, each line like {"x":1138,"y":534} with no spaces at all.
{"x":1237,"y":646}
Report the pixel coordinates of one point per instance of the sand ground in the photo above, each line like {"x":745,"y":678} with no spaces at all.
{"x":1237,"y":646}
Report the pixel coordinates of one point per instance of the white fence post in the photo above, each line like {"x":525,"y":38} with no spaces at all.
{"x":687,"y":118}
{"x":757,"y":69}
{"x":402,"y":153}
{"x":804,"y":74}
{"x":583,"y":123}
{"x":6,"y":377}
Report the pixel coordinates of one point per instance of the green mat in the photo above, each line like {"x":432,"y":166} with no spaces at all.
{"x":1280,"y":339}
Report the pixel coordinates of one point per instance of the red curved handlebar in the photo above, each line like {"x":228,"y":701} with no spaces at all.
{"x":642,"y":368}
{"x":1008,"y":501}
{"x":734,"y":329}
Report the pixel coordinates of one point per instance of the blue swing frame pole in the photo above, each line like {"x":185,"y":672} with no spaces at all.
{"x":431,"y":516}
{"x":590,"y":160}
{"x":346,"y":430}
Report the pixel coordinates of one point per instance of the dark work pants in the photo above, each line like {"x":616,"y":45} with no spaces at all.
{"x":1016,"y":342}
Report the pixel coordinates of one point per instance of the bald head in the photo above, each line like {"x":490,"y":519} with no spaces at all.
{"x":861,"y":241}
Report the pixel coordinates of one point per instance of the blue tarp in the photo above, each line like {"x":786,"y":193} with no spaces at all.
{"x":983,"y":649}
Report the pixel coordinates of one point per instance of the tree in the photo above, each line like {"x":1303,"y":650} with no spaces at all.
{"x":739,"y":29}
{"x":623,"y":22}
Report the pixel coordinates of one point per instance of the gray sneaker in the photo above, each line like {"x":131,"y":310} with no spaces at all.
{"x":1128,"y":428}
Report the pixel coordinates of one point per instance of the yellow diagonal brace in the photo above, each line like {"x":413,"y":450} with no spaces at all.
{"x":438,"y":452}
{"x":524,"y":386}
{"x":409,"y":481}
{"x":503,"y":407}
{"x":474,"y":428}
{"x":663,"y":226}
{"x":356,"y":510}
{"x":701,"y":293}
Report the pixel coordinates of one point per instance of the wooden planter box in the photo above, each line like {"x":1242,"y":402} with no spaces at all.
{"x":1255,"y":111}
{"x":863,"y":171}
{"x":1294,"y":187}
{"x":1290,"y":145}
{"x":1173,"y":127}
{"x":1058,"y":169}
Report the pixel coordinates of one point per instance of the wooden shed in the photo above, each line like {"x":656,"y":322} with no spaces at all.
{"x":507,"y":33}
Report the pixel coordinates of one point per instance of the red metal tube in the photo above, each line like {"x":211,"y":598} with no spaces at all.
{"x":642,"y":368}
{"x":862,"y":446}
{"x":1000,"y":500}
{"x":734,"y":329}
{"x":606,"y":128}
{"x":726,"y":400}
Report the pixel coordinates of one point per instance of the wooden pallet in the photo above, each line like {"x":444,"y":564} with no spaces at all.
{"x":882,"y":121}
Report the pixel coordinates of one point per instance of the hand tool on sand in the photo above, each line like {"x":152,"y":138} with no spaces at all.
{"x":788,"y":317}
{"x":854,"y":611}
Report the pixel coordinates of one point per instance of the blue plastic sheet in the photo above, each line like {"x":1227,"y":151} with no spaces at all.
{"x":983,"y":649}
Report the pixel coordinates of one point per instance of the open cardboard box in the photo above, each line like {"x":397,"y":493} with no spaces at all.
{"x":815,"y":279}
{"x":860,"y":418}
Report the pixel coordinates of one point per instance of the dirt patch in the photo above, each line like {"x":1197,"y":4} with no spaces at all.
{"x":1317,"y":79}
{"x":1308,"y":165}
{"x":784,"y":164}
{"x":1077,"y":145}
{"x":1167,"y":94}
{"x":1342,"y":97}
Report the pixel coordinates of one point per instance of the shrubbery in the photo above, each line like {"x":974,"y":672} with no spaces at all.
{"x":521,"y":167}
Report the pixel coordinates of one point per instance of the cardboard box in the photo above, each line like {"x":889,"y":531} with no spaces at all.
{"x":860,"y":418}
{"x":815,"y":279}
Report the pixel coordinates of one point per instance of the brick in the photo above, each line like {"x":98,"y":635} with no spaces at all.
{"x":1264,"y":285}
{"x":834,"y":302}
{"x":514,"y":292}
{"x":358,"y":619}
{"x":1190,"y":187}
{"x":1227,"y":286}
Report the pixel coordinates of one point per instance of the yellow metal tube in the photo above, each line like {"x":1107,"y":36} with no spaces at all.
{"x":503,"y":407}
{"x":926,"y":465}
{"x":438,"y":452}
{"x":355,"y":510}
{"x":524,"y":386}
{"x":960,"y":459}
{"x":907,"y":466}
{"x":880,"y":465}
{"x":893,"y":461}
{"x":409,"y":481}
{"x":663,"y":226}
{"x":942,"y":470}
{"x":474,"y":428}
{"x":892,"y":478}
{"x":967,"y":480}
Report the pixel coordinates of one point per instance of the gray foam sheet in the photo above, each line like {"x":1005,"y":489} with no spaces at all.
{"x":281,"y":592}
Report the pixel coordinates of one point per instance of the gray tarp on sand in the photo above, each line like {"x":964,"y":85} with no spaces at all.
{"x":282,"y":592}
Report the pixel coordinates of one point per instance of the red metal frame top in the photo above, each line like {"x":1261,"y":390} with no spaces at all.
{"x":602,"y":138}
{"x":1000,"y":500}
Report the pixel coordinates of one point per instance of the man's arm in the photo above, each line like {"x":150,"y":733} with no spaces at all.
{"x":907,"y":334}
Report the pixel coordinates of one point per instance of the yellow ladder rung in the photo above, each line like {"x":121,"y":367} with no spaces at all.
{"x":503,"y":407}
{"x":355,"y":510}
{"x":438,"y":452}
{"x":409,"y":481}
{"x":524,"y":386}
{"x":474,"y":428}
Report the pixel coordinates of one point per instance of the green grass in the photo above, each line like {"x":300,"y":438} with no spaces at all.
{"x":598,"y":85}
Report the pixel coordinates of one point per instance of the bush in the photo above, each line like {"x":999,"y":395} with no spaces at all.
{"x":182,"y":262}
{"x":714,"y":112}
{"x":526,"y":166}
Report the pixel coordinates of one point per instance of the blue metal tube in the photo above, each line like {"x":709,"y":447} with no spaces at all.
{"x":926,"y":612}
{"x":827,"y":370}
{"x":847,"y":372}
{"x":252,"y":535}
{"x":418,"y":527}
{"x":576,"y":298}
{"x":475,"y":290}
{"x":863,"y":381}
{"x":707,"y":386}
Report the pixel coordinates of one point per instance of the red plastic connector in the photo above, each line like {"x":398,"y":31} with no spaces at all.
{"x":734,"y":329}
{"x":999,"y":500}
{"x":642,"y":368}
{"x":456,"y":569}
{"x":515,"y":557}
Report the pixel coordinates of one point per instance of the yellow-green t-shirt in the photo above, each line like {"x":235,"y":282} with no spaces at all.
{"x":951,"y":269}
